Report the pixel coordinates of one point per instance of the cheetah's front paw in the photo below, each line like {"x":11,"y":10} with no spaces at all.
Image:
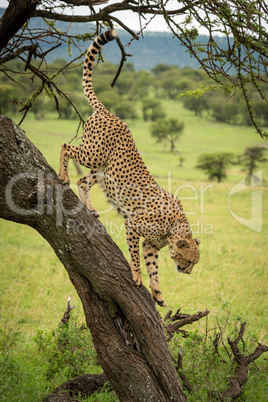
{"x":157,"y":296}
{"x":137,"y":279}
{"x":95,"y":213}
{"x":64,"y":178}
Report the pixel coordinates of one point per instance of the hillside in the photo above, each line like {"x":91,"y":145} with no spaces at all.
{"x":153,"y":48}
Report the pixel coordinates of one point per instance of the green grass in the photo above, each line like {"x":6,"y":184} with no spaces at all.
{"x":34,"y":285}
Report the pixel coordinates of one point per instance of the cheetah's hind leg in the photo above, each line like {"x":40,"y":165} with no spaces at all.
{"x":67,"y":152}
{"x":84,"y":185}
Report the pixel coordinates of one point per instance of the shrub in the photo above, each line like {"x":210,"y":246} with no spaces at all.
{"x":208,"y":360}
{"x":68,"y":350}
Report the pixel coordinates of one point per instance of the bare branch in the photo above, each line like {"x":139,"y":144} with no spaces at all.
{"x":172,"y":324}
{"x":67,"y":313}
{"x":260,"y":349}
{"x":84,"y":2}
{"x":47,"y":81}
{"x":23,"y":49}
{"x":238,"y":380}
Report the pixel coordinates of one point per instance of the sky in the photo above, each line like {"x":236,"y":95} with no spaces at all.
{"x":131,"y":20}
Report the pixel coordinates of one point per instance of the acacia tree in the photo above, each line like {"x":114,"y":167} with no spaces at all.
{"x":251,"y":157}
{"x":236,"y":62}
{"x":152,"y":109}
{"x":215,"y":165}
{"x":167,"y":130}
{"x":126,"y":329}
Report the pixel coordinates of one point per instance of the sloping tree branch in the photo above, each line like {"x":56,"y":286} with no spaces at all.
{"x":32,"y":194}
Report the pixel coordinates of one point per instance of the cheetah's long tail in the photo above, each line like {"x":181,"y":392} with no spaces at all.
{"x":92,"y":52}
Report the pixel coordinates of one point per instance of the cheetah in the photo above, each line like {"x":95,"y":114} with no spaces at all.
{"x":109,"y":151}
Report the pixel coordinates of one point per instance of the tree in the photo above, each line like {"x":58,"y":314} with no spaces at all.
{"x":152,"y":109}
{"x":222,"y":111}
{"x":232,"y":61}
{"x":215,"y":165}
{"x":161,"y":68}
{"x":123,"y":320}
{"x":139,"y":91}
{"x":125,"y":110}
{"x":251,"y":157}
{"x":167,"y":130}
{"x":236,"y":61}
{"x":29,"y":186}
{"x":197,"y":105}
{"x":262,"y":112}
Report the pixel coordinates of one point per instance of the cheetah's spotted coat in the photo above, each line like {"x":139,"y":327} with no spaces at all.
{"x":108,"y":149}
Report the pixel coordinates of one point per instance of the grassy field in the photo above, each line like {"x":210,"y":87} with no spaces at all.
{"x":233,"y":266}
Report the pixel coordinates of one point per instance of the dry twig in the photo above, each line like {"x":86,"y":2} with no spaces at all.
{"x":67,"y":314}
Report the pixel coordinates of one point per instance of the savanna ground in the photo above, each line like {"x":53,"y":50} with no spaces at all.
{"x":230,"y":280}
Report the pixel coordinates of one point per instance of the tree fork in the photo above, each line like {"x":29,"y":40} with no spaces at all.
{"x":32,"y":194}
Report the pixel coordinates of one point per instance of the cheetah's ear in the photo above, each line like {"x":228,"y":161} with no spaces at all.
{"x":198,"y":241}
{"x":182,"y":244}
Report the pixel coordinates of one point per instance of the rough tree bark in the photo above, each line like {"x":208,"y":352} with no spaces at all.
{"x":17,"y":13}
{"x":140,"y":368}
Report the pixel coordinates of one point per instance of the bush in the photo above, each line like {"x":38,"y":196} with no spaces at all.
{"x":208,"y":361}
{"x":204,"y":369}
{"x":68,"y":351}
{"x":215,"y":165}
{"x":10,"y":370}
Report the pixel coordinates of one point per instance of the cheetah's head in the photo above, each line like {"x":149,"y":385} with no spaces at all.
{"x":184,"y":250}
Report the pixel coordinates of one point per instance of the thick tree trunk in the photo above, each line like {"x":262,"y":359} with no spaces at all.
{"x":17,"y":13}
{"x":123,"y":319}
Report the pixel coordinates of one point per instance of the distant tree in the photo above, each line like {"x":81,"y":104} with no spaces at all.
{"x":215,"y":165}
{"x":251,"y":157}
{"x":162,"y":67}
{"x":109,"y":99}
{"x":181,"y":159}
{"x":197,"y":105}
{"x":185,"y":84}
{"x":6,"y":93}
{"x":141,"y":85}
{"x":125,"y":110}
{"x":129,"y":67}
{"x":168,"y":82}
{"x":223,"y":111}
{"x":167,"y":130}
{"x":261,"y":110}
{"x":125,"y":83}
{"x":152,"y":109}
